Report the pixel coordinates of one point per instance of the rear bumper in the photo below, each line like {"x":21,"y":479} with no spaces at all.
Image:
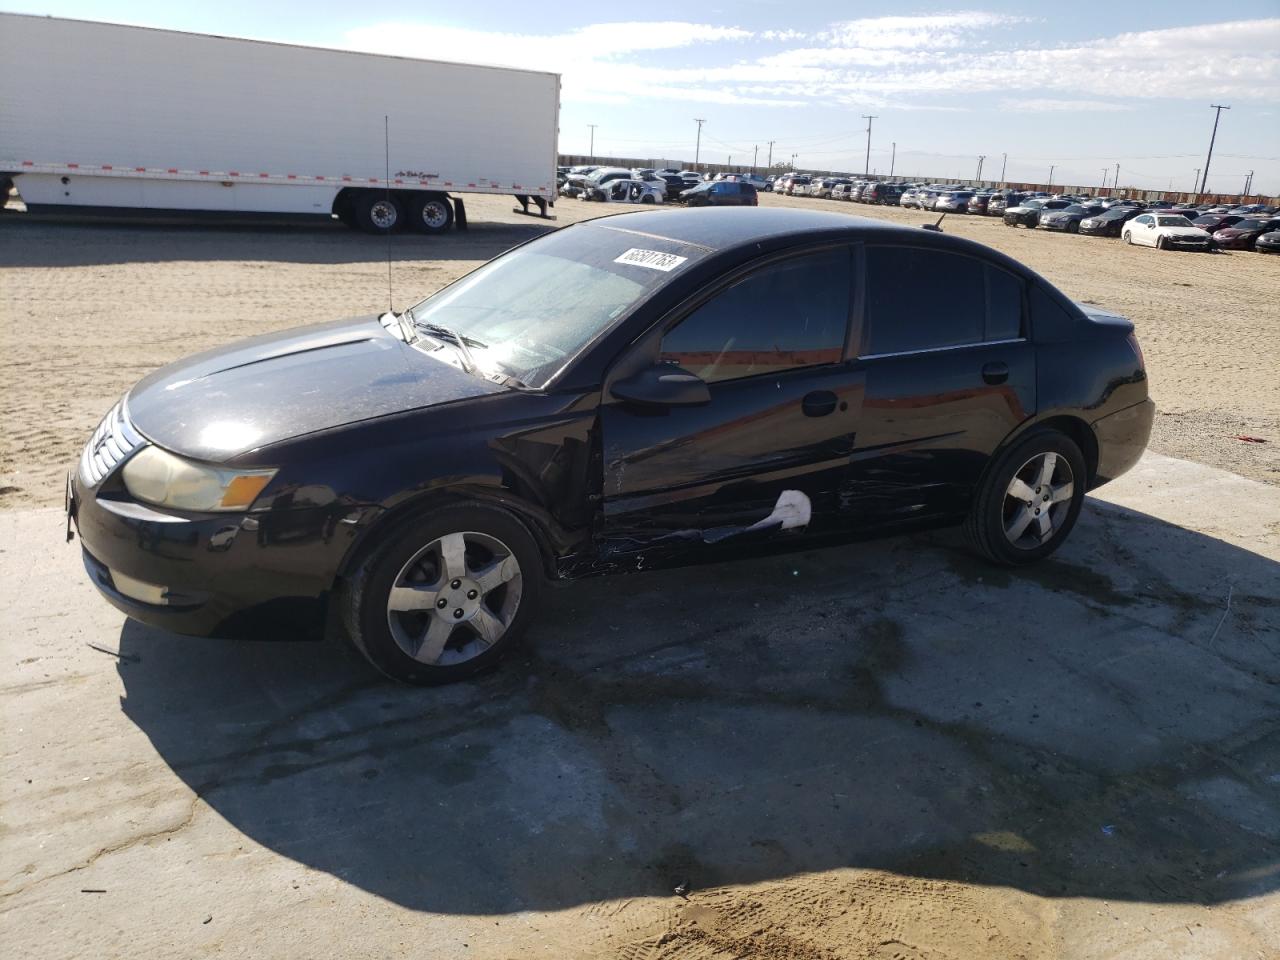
{"x":1122,"y":439}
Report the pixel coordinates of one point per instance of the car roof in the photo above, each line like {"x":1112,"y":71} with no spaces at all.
{"x":723,"y":228}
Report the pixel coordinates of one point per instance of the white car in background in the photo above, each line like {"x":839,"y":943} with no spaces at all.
{"x":630,"y":191}
{"x":1166,"y":231}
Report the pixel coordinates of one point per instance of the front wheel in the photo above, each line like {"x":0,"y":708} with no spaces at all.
{"x":1159,"y":243}
{"x":445,"y":596}
{"x":1128,"y":238}
{"x":1029,"y":500}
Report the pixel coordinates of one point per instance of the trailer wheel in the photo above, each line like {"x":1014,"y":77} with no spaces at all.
{"x":431,"y":214}
{"x":378,"y":212}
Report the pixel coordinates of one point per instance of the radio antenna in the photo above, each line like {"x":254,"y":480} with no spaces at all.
{"x":386,"y":150}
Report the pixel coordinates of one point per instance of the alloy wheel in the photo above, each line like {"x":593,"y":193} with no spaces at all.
{"x":455,"y":598}
{"x":383,"y":215}
{"x":435,"y":216}
{"x":1037,"y":500}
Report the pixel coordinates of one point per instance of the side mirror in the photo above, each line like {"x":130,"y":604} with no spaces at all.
{"x":665,"y":385}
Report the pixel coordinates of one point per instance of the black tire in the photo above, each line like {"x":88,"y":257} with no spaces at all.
{"x":378,"y":212}
{"x":364,"y":601}
{"x":985,"y":526}
{"x":431,"y":213}
{"x":647,"y":199}
{"x":1159,"y":243}
{"x":1073,"y":227}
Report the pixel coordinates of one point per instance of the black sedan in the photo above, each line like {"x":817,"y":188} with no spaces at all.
{"x":1068,"y":218}
{"x":1268,"y":242}
{"x":636,"y":391}
{"x":1109,"y":222}
{"x":1028,"y":212}
{"x":721,"y":193}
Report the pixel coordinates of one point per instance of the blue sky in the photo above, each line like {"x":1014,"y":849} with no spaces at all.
{"x":1080,"y":87}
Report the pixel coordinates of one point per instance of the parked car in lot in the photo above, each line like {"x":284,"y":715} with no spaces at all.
{"x":628,"y":191}
{"x":585,"y":186}
{"x":1001,"y":202}
{"x":822,"y":188}
{"x":1243,"y":235}
{"x":798,"y":185}
{"x":1216,"y":221}
{"x":723,"y":193}
{"x":978,"y":202}
{"x":1165,"y":231}
{"x":1110,"y":222}
{"x":881,"y":193}
{"x":841,"y":191}
{"x":1268,"y":242}
{"x":1028,"y":212}
{"x":1068,"y":218}
{"x":956,"y":201}
{"x":647,"y":390}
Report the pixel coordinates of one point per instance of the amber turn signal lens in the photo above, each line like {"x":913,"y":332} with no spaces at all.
{"x":244,"y":489}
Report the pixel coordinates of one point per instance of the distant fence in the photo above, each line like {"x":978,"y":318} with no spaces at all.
{"x":1134,"y":192}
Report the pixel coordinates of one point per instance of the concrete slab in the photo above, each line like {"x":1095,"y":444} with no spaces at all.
{"x":1077,"y":760}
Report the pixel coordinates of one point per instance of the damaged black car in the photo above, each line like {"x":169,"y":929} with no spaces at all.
{"x":638,"y":391}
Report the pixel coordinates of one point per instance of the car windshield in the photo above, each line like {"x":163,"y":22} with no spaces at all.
{"x":1178,"y":221}
{"x":527,"y":313}
{"x":1250,"y":224}
{"x":1033,"y":203}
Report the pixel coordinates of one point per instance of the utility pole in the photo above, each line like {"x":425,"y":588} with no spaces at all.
{"x":1248,"y":182}
{"x":1213,"y":136}
{"x":1052,"y":167}
{"x":592,"y":150}
{"x":1115,"y":183}
{"x":769,"y":162}
{"x":754,"y":157}
{"x":981,"y":157}
{"x":1004,"y":162}
{"x":730,"y":163}
{"x":893,"y":158}
{"x":867,"y":168}
{"x":793,"y":162}
{"x":1104,"y":178}
{"x":697,"y":150}
{"x":1194,"y":189}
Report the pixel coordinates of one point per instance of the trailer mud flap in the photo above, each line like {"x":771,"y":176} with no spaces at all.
{"x":459,"y":214}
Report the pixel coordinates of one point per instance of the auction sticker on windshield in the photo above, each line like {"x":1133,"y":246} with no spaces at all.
{"x":653,"y":259}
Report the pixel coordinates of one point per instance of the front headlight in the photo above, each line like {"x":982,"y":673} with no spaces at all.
{"x":158,"y":477}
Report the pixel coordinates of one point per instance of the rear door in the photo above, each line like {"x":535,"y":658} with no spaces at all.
{"x":949,"y":373}
{"x":777,"y":433}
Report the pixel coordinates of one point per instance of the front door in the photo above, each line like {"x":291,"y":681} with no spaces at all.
{"x":766,"y":457}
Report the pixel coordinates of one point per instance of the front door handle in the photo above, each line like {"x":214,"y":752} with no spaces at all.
{"x":819,"y":403}
{"x":997,"y":372}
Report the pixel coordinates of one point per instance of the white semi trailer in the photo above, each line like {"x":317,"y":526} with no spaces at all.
{"x":104,"y":117}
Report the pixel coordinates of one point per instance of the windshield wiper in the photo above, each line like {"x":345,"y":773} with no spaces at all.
{"x":452,"y":337}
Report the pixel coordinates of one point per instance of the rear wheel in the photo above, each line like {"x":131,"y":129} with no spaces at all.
{"x":431,"y":214}
{"x":1073,"y":227}
{"x":378,"y":213}
{"x":446,"y":596}
{"x":1159,"y":243}
{"x":1029,"y":500}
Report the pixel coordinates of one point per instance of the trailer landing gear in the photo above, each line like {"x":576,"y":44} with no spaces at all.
{"x":524,"y":206}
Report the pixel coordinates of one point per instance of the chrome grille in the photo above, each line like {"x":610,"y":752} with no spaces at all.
{"x":111,"y":444}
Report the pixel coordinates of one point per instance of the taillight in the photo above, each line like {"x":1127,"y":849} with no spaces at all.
{"x":1137,"y":349}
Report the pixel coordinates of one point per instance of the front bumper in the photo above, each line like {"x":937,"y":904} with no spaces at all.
{"x":229,"y":575}
{"x":1122,"y":439}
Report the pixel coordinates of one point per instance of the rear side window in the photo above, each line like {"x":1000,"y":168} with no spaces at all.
{"x":793,"y":313}
{"x":921,"y":299}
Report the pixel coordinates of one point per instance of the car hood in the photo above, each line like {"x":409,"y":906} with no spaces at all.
{"x":1183,"y":231}
{"x":1232,"y":232}
{"x":224,"y":402}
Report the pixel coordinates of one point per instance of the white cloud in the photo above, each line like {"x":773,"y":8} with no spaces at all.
{"x":1048,"y":105}
{"x":899,"y":63}
{"x":935,"y":31}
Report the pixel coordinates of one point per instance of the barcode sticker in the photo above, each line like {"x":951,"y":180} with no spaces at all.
{"x":653,"y":259}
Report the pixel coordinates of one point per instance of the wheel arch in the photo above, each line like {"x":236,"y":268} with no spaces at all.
{"x":1075,"y":427}
{"x":529,"y":516}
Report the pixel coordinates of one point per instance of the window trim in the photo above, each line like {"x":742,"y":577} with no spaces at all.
{"x":864,"y":328}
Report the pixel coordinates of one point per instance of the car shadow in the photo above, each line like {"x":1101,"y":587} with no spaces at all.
{"x":1101,"y":725}
{"x":62,"y":241}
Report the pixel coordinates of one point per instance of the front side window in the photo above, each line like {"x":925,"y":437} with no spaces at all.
{"x":1145,"y":219}
{"x":793,"y":313}
{"x":920,"y":299}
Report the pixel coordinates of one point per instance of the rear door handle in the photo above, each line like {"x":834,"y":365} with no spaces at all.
{"x":819,"y":403}
{"x":997,"y":372}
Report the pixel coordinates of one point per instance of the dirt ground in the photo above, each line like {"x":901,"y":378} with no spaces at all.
{"x":1065,"y":806}
{"x":88,"y":309}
